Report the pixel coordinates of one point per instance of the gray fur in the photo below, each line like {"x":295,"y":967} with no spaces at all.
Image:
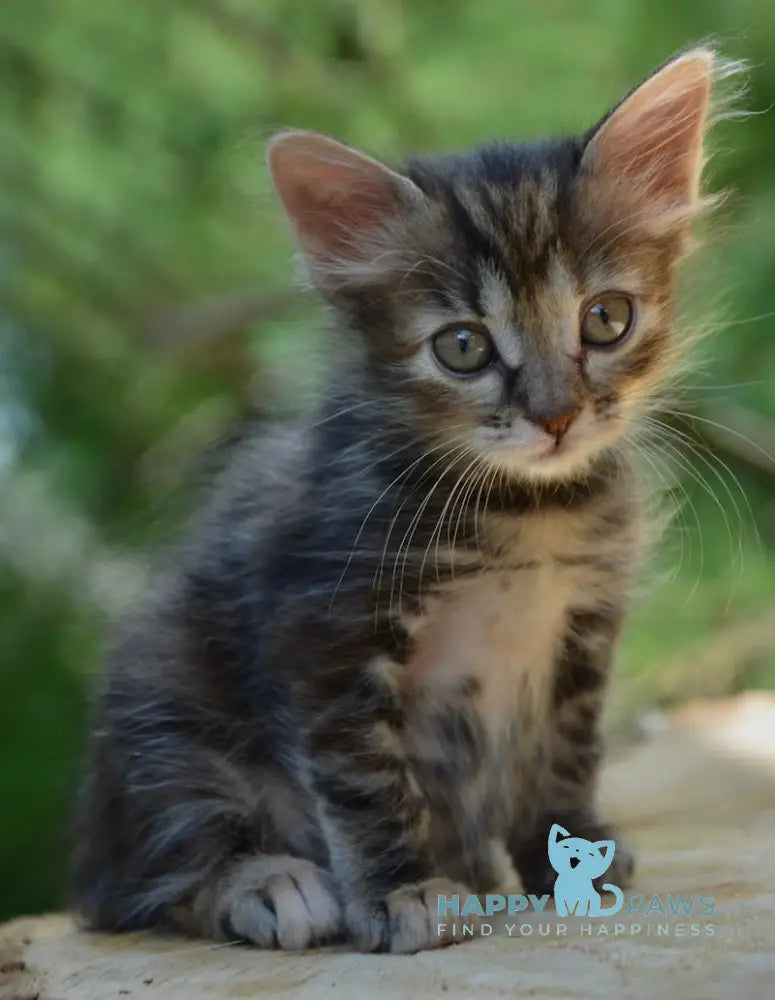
{"x":375,"y":672}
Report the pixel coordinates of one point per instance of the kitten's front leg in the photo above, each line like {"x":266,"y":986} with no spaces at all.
{"x":373,"y":814}
{"x":568,"y":783}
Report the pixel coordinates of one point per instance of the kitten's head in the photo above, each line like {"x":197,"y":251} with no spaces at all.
{"x":518,"y":300}
{"x":585,"y":858}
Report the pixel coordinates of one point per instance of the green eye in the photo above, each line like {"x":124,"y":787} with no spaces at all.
{"x":463,"y":349}
{"x":607,"y":320}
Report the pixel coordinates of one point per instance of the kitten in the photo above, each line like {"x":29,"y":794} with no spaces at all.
{"x":376,"y":673}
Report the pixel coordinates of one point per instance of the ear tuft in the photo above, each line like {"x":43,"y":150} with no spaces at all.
{"x":337,"y":199}
{"x":651,"y":145}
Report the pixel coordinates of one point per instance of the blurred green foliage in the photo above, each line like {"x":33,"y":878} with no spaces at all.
{"x":145,"y":302}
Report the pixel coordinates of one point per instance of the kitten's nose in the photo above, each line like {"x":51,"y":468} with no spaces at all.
{"x":557,"y":426}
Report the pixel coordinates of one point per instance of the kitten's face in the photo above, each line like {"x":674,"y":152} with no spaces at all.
{"x":518,"y":300}
{"x":530,"y":328}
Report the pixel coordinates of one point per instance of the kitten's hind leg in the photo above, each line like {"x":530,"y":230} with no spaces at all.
{"x":272,"y":900}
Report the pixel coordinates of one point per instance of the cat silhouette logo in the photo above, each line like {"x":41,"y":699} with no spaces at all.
{"x":578,"y":863}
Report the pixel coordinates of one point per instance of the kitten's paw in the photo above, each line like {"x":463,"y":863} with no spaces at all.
{"x":278,"y":901}
{"x":408,"y":919}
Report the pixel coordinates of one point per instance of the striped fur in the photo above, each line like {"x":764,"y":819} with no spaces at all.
{"x":376,"y":671}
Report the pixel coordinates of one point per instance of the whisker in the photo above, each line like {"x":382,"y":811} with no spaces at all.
{"x":373,"y":507}
{"x":723,"y":427}
{"x":436,"y":533}
{"x":728,"y":324}
{"x":705,"y":455}
{"x":694,"y":474}
{"x":406,"y":541}
{"x":654,"y":460}
{"x":341,"y":413}
{"x":463,"y":513}
{"x":377,"y":583}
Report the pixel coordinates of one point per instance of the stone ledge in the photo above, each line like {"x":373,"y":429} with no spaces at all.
{"x":696,"y":798}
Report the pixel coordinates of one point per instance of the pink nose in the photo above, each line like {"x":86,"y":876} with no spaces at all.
{"x":557,"y":426}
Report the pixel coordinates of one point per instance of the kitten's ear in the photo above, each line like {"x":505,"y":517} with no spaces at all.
{"x":557,"y":831}
{"x":652,"y":143}
{"x":606,"y":849}
{"x":339,"y":201}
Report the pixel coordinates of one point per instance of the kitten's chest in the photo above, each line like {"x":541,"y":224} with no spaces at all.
{"x":486,"y":648}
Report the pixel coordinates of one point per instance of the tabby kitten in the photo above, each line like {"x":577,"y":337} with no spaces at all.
{"x":376,"y":672}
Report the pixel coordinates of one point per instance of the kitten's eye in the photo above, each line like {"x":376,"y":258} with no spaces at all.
{"x":607,"y":321}
{"x":463,"y":349}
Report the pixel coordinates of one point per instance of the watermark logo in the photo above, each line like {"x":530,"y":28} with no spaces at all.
{"x":578,"y":862}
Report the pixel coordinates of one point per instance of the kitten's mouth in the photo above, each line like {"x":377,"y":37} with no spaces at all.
{"x":574,"y":861}
{"x":558,"y":447}
{"x":549,"y":458}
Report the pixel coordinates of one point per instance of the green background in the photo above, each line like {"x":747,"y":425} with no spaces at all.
{"x":146,"y":302}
